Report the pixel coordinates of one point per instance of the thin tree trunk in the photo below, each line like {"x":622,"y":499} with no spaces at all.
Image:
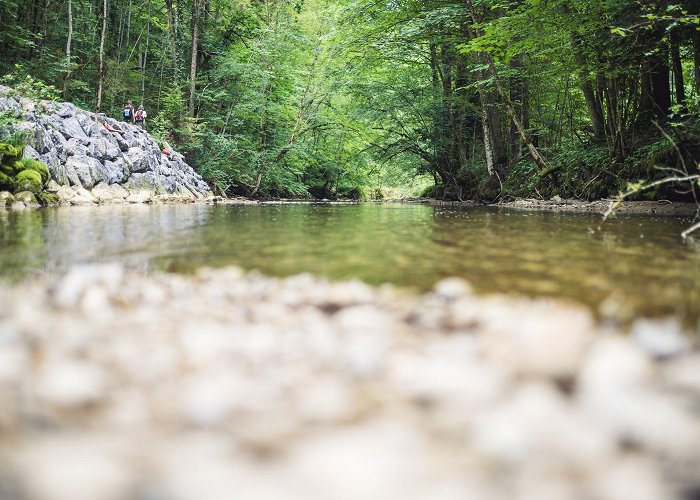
{"x":595,"y":111}
{"x":661,"y":87}
{"x":69,"y":42}
{"x":696,"y":60}
{"x":173,"y":38}
{"x":536,"y":157}
{"x":145,"y":53}
{"x":101,"y":74}
{"x":196,"y":7}
{"x":677,"y":66}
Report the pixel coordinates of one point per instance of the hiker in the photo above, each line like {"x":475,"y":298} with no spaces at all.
{"x":140,"y":116}
{"x":128,"y":113}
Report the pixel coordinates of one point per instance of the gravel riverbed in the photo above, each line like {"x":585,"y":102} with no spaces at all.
{"x":231,"y":385}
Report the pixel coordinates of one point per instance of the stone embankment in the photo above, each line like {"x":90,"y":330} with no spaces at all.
{"x":96,"y":159}
{"x":116,"y":386}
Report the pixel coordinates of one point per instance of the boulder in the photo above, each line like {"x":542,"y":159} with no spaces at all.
{"x":30,"y":152}
{"x":6,"y":198}
{"x":89,"y":171}
{"x":74,"y":147}
{"x":27,"y":198}
{"x":82,"y":196}
{"x":139,"y":196}
{"x":137,"y":157}
{"x":71,"y":129}
{"x":112,"y":172}
{"x":56,"y":168}
{"x":64,"y":109}
{"x":9,"y":105}
{"x":106,"y":193}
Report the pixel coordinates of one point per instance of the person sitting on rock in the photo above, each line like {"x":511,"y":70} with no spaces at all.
{"x":128,"y":113}
{"x":141,"y":117}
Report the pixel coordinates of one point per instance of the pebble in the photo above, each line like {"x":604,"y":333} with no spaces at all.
{"x":120,"y":386}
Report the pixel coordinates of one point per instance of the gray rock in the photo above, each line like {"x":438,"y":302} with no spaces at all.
{"x":27,"y":198}
{"x":113,"y":172}
{"x":85,"y":123}
{"x":56,"y":168}
{"x":89,"y":171}
{"x":139,"y":196}
{"x":6,"y":198}
{"x":38,"y":137}
{"x":82,"y":196}
{"x":57,"y":138}
{"x":71,"y":128}
{"x":65,"y":109}
{"x":148,"y":181}
{"x":74,"y":147}
{"x":105,"y":193}
{"x":30,"y":152}
{"x":10,"y":106}
{"x":137,"y":157}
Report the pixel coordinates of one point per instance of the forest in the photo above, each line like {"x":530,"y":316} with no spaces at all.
{"x":364,"y":99}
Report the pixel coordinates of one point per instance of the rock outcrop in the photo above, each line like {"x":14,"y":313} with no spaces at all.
{"x":95,"y":159}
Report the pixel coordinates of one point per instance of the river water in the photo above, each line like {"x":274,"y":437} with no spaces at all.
{"x":636,"y":265}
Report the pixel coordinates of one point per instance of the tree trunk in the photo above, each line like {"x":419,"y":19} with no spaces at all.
{"x":534,"y":154}
{"x":145,"y":53}
{"x":173,"y":38}
{"x":661,"y":88}
{"x":102,"y":70}
{"x":595,"y":111}
{"x":69,"y":42}
{"x":196,"y":7}
{"x":519,"y":96}
{"x":696,"y":60}
{"x":677,"y":66}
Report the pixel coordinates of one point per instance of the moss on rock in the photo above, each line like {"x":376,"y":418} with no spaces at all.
{"x":39,"y":167}
{"x":10,"y":152}
{"x":6,"y":182}
{"x":28,"y":180}
{"x":48,"y":199}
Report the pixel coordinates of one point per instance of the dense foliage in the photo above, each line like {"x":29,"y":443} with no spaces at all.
{"x":363,"y":98}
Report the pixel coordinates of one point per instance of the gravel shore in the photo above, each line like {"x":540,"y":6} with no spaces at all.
{"x":231,"y":385}
{"x":663,"y":208}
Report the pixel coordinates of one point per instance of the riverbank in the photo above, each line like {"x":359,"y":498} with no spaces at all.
{"x":120,"y":386}
{"x":662,"y":208}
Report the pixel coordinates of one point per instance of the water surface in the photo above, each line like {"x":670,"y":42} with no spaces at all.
{"x":639,"y":262}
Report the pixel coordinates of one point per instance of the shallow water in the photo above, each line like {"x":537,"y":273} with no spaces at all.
{"x":638,"y":263}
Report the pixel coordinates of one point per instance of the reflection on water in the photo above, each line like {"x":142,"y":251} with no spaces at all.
{"x":638,"y":261}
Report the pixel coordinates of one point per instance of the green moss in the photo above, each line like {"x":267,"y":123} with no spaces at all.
{"x":28,"y":180}
{"x":39,"y":167}
{"x":48,"y":199}
{"x":6,"y":182}
{"x":11,"y":152}
{"x":16,"y":167}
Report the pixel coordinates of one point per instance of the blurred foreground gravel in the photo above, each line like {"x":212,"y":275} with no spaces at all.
{"x":226,"y":385}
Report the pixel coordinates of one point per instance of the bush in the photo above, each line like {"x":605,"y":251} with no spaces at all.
{"x":28,"y":180}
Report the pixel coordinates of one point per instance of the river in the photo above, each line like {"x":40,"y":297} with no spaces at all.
{"x":633,"y":265}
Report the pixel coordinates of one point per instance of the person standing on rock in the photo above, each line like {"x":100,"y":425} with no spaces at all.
{"x":141,"y":117}
{"x":128,"y":113}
